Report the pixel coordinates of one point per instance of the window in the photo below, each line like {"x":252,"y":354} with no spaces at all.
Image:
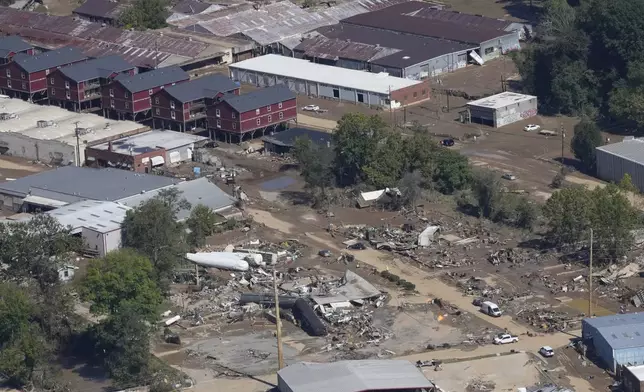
{"x":172,"y":104}
{"x":158,"y":111}
{"x":66,"y":273}
{"x":173,"y":115}
{"x":68,"y":95}
{"x":268,"y":108}
{"x":22,"y":75}
{"x":281,"y":115}
{"x":53,"y":91}
{"x":127,"y":105}
{"x":111,"y":92}
{"x":233,"y":115}
{"x":336,"y":93}
{"x":360,"y":97}
{"x":217,"y":112}
{"x":156,"y":101}
{"x":234,"y":125}
{"x":47,"y":71}
{"x":150,"y":91}
{"x":66,"y":84}
{"x":279,"y":105}
{"x":270,"y":118}
{"x":8,"y":73}
{"x":52,"y":81}
{"x":415,"y":94}
{"x":218,"y":123}
{"x":259,"y":121}
{"x":24,"y":85}
{"x":489,"y":50}
{"x":256,"y":111}
{"x":126,"y":95}
{"x":9,"y":83}
{"x":111,"y":103}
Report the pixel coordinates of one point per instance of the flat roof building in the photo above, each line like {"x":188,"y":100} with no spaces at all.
{"x":305,"y":77}
{"x":353,"y":376}
{"x":615,"y":340}
{"x":143,"y":151}
{"x":70,"y":184}
{"x":617,"y":159}
{"x":633,"y":378}
{"x":502,"y":109}
{"x":48,"y":133}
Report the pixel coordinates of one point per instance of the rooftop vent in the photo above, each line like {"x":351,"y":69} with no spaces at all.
{"x":44,"y":123}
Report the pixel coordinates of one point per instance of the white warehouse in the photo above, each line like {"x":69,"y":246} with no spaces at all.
{"x":502,"y":109}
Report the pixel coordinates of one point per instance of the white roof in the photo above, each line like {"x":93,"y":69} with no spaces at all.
{"x":638,"y":371}
{"x":501,"y":100}
{"x":381,"y":83}
{"x":152,"y":140}
{"x":100,"y":216}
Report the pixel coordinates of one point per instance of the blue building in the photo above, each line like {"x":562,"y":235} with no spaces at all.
{"x":617,"y":340}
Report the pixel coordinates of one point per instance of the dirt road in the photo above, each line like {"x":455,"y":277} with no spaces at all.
{"x":315,"y":122}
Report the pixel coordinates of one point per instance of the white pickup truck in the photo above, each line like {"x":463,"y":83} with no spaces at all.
{"x":505,"y":338}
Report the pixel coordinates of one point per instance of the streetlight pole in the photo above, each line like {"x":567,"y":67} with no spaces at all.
{"x":78,"y":159}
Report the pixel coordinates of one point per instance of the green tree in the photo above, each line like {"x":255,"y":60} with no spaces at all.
{"x":23,"y":345}
{"x":387,"y":163}
{"x":355,"y":141}
{"x":122,"y":279}
{"x":201,"y":224}
{"x":152,"y":229}
{"x":569,"y":213}
{"x":146,"y":14}
{"x":613,"y":220}
{"x":626,"y":184}
{"x":584,"y":141}
{"x":451,"y":171}
{"x":316,"y":167}
{"x":123,"y":345}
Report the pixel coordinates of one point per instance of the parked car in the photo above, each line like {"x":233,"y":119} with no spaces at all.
{"x":531,"y":128}
{"x":447,"y":142}
{"x":325,"y":253}
{"x":509,"y":177}
{"x":311,"y":108}
{"x":547,"y":351}
{"x":357,"y":246}
{"x":505,"y":338}
{"x":491,"y":309}
{"x":546,"y":132}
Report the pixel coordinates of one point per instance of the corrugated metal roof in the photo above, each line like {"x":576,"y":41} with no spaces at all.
{"x":353,"y":376}
{"x":98,"y":68}
{"x":150,"y":141}
{"x":630,"y":149}
{"x":47,"y":60}
{"x":204,"y":87}
{"x":100,"y":216}
{"x":396,"y":18}
{"x":72,"y":183}
{"x":621,"y":330}
{"x":101,"y":8}
{"x":151,"y":79}
{"x":259,"y":98}
{"x":334,"y":49}
{"x":190,"y":7}
{"x":429,"y":12}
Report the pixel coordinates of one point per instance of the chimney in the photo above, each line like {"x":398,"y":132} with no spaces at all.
{"x":109,"y":146}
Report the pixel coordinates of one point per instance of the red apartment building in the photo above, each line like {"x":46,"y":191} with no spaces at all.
{"x":184,"y":107}
{"x":259,"y":110}
{"x":26,"y":76}
{"x":79,"y":86}
{"x":12,"y":45}
{"x":130,"y":97}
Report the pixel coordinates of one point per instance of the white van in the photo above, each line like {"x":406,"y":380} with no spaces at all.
{"x":490,"y":309}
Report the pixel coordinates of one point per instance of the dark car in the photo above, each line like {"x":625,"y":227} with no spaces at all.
{"x":357,"y":246}
{"x":447,"y":142}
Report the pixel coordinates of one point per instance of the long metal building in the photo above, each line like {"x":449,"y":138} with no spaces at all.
{"x":318,"y":80}
{"x":627,"y":157}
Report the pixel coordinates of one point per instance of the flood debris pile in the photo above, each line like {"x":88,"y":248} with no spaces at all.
{"x":548,"y":320}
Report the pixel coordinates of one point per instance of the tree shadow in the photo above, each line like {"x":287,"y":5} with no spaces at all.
{"x":536,"y":244}
{"x":289,"y":166}
{"x":528,"y":10}
{"x":298,"y":197}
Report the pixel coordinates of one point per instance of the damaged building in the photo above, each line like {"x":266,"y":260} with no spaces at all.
{"x":615,"y":340}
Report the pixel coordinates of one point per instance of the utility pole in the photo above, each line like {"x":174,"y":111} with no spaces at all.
{"x":278,"y":322}
{"x":78,"y":159}
{"x":590,"y":277}
{"x":563,"y":136}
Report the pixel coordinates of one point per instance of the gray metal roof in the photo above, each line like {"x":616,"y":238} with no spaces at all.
{"x":12,"y":44}
{"x":620,"y":330}
{"x":150,"y":141}
{"x":100,"y":216}
{"x":199,"y":191}
{"x":51,"y":59}
{"x":102,"y":8}
{"x":353,"y":376}
{"x":101,"y":67}
{"x":71,"y":184}
{"x":204,"y":87}
{"x":258,"y":98}
{"x":151,"y":79}
{"x":287,"y":138}
{"x":630,"y":149}
{"x":190,"y":7}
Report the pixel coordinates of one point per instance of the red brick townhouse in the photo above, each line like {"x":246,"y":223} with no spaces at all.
{"x":26,"y":76}
{"x":11,"y":45}
{"x":79,"y":86}
{"x":260,"y":110}
{"x":130,"y":97}
{"x":183,"y":107}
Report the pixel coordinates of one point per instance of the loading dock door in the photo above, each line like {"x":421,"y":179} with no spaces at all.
{"x":313,"y":89}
